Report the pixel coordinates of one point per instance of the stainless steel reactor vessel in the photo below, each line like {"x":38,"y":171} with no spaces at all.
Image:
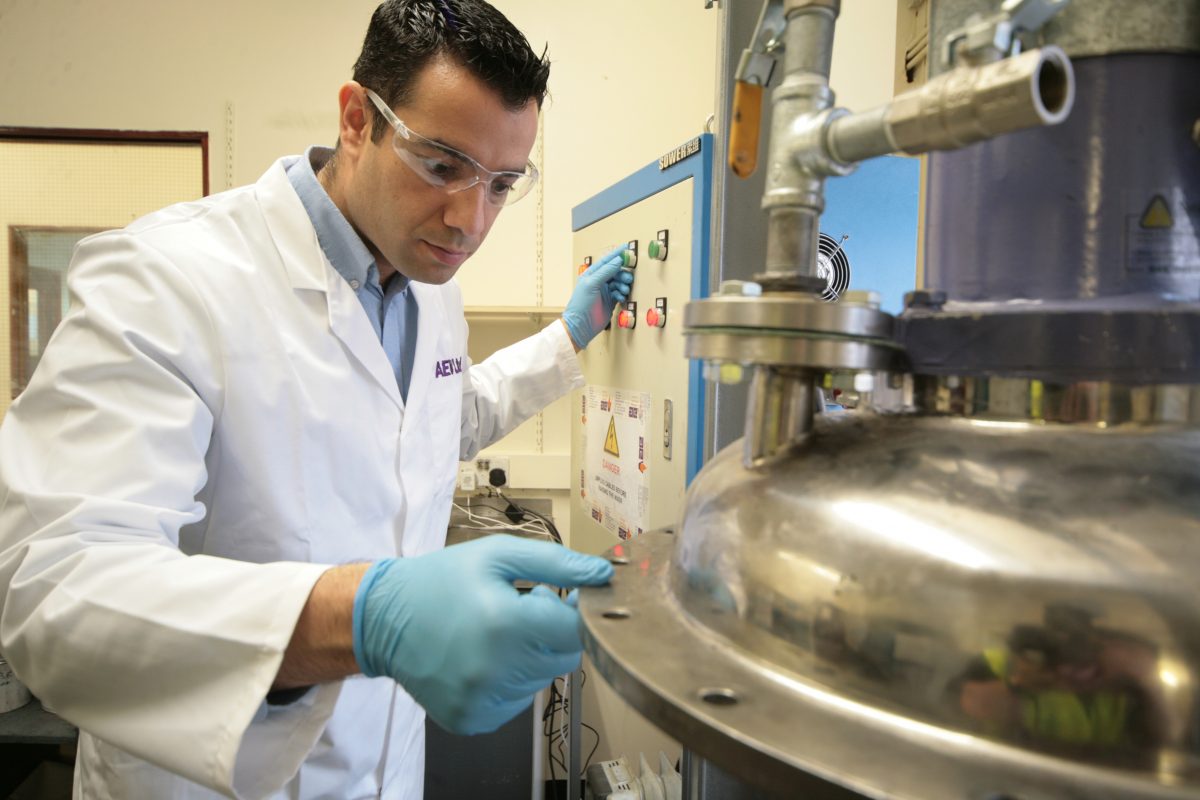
{"x":985,"y":581}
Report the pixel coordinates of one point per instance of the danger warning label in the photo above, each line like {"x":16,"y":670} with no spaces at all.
{"x":1163,"y":239}
{"x":611,"y":446}
{"x":615,"y":476}
{"x":1157,"y":214}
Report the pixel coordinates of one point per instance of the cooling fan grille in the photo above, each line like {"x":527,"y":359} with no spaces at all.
{"x":833,"y":266}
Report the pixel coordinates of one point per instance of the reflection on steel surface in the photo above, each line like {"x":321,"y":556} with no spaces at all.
{"x":1024,"y":584}
{"x":1013,"y":600}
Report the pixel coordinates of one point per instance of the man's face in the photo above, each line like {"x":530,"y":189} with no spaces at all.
{"x":421,"y":230}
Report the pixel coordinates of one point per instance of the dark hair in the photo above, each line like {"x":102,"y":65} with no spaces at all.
{"x":404,"y":35}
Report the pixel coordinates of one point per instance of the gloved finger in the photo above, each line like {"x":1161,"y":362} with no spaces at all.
{"x":621,"y":284}
{"x":622,"y":281}
{"x":500,"y":714}
{"x":615,"y":253}
{"x":624,"y":276}
{"x":485,"y":719}
{"x":604,"y":262}
{"x":562,"y":664}
{"x":542,"y":590}
{"x":554,"y":665}
{"x":548,"y":623}
{"x":514,"y":559}
{"x":573,"y":598}
{"x":601,"y":272}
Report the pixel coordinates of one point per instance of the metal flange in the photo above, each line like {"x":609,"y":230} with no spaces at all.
{"x":789,"y":329}
{"x":788,"y":312}
{"x":786,"y":348}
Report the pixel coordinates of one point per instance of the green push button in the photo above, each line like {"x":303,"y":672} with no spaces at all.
{"x":628,"y":259}
{"x":657,"y":250}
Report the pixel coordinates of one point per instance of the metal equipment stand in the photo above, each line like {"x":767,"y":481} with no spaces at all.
{"x":575,"y":721}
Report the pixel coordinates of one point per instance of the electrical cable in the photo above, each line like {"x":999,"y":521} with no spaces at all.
{"x":552,"y":707}
{"x":502,"y":520}
{"x":502,"y":523}
{"x":556,"y":734}
{"x":549,"y":523}
{"x":588,"y":762}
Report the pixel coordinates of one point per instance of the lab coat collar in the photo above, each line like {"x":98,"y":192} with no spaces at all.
{"x":292,"y":229}
{"x":308,"y":268}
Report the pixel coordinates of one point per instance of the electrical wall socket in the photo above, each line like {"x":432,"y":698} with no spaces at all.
{"x":484,"y":467}
{"x":466,"y":477}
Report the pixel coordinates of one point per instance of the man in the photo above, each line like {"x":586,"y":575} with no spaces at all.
{"x":259,"y":385}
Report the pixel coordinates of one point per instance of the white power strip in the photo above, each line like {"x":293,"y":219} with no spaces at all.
{"x":613,"y":780}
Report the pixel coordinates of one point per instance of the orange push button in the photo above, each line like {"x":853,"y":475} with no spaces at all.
{"x":626,"y":319}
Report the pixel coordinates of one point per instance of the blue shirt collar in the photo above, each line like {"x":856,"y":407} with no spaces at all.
{"x":339,"y":241}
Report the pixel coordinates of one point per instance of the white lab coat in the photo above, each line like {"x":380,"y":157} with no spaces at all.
{"x":212,"y":425}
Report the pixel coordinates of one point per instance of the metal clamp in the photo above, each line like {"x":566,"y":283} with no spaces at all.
{"x":986,"y":39}
{"x":758,"y":61}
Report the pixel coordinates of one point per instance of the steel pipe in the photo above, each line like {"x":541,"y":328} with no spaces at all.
{"x":960,"y":107}
{"x":794,"y":196}
{"x":779,"y":414}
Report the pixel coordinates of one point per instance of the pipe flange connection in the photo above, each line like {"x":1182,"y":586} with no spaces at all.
{"x":791,"y":282}
{"x":792,"y":330}
{"x":789,"y":313}
{"x":782,"y":349}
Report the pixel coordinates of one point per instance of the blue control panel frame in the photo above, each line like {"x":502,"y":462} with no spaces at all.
{"x":649,"y":181}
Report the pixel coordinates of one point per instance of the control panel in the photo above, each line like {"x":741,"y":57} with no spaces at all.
{"x":633,"y":445}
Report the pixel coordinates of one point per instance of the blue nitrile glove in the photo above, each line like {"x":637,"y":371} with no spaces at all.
{"x":452,"y":630}
{"x":600,"y":288}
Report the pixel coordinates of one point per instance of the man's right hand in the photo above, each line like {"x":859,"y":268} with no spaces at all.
{"x":453,"y":631}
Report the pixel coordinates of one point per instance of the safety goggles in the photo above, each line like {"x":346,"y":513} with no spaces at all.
{"x":446,"y":168}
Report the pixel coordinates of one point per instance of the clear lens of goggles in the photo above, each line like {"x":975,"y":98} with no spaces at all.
{"x":445,"y":167}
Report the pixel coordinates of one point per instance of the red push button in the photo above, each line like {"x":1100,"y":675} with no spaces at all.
{"x":626,"y":319}
{"x":656,"y":318}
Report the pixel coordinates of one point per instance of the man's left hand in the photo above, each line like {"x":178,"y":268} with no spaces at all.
{"x":600,"y":288}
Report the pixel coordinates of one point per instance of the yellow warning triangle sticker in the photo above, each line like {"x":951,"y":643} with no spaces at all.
{"x":1157,"y":215}
{"x":610,"y":441}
